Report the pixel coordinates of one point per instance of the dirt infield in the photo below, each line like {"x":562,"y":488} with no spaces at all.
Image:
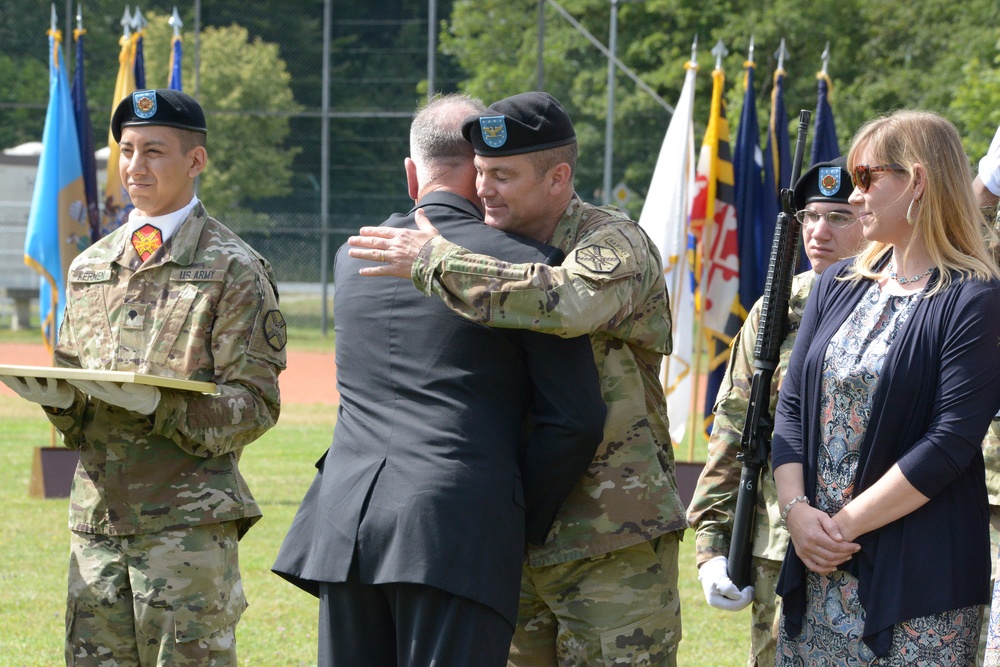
{"x":311,"y":377}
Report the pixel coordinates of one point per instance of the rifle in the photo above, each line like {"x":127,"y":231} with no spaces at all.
{"x":755,"y":444}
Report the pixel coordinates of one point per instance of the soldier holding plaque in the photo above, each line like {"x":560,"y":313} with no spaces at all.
{"x":158,"y":503}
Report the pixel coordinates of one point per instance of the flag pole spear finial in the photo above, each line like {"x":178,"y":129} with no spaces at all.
{"x":781,"y":54}
{"x":694,"y":51}
{"x":138,"y":20}
{"x":54,"y":19}
{"x":826,"y":57}
{"x":126,"y":22}
{"x":175,"y":22}
{"x":750,"y":52}
{"x":719,"y":51}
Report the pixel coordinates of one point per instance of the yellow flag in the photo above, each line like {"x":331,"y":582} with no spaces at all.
{"x":117,"y":203}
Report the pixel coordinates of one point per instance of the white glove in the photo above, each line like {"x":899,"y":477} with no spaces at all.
{"x":720,"y":591}
{"x":134,"y":398}
{"x":55,"y":393}
{"x":989,"y":166}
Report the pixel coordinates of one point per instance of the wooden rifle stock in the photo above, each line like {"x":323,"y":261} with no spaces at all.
{"x":755,"y":444}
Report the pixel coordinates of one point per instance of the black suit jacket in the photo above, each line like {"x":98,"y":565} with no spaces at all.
{"x":423,"y":481}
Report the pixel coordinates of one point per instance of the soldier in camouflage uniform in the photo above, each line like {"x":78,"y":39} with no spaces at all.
{"x":829,"y":234}
{"x":158,"y":503}
{"x":602,"y":589}
{"x":987,"y":188}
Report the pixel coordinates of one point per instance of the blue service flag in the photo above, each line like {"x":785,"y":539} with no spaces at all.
{"x":57,"y":221}
{"x":824,"y":146}
{"x":175,"y":64}
{"x":85,"y":132}
{"x":779,"y":143}
{"x":748,"y":171}
{"x":140,"y":63}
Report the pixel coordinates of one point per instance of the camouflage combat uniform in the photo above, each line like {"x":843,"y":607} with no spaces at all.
{"x":991,"y":455}
{"x":714,"y":502}
{"x":622,"y":523}
{"x":164,"y":492}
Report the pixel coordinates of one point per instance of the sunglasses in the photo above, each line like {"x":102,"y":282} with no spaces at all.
{"x":837,"y":220}
{"x":862,"y":175}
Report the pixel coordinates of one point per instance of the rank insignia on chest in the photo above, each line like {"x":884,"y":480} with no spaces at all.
{"x":494,"y":129}
{"x":275,"y":331}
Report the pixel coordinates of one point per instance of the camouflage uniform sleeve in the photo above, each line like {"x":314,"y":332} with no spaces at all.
{"x":69,"y":422}
{"x":713,"y":504}
{"x":597,"y":288}
{"x":248,"y":347}
{"x":991,"y":454}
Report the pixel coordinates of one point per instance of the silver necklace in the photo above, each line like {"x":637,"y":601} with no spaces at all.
{"x":906,"y":281}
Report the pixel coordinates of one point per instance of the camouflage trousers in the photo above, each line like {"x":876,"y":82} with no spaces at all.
{"x":620,"y":608}
{"x":764,"y":613}
{"x":989,"y":611}
{"x":170,"y":598}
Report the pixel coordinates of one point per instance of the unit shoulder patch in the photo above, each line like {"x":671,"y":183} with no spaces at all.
{"x":598,"y":258}
{"x":275,"y":330}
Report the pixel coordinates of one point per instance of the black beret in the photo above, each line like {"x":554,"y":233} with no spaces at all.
{"x":825,"y":181}
{"x":522,"y":123}
{"x":162,"y":106}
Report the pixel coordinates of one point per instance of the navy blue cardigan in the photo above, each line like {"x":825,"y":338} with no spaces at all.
{"x":934,"y":400}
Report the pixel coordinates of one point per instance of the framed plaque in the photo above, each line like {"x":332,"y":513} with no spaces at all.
{"x":71,"y":374}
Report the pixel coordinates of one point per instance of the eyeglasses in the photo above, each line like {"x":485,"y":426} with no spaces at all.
{"x":862,"y":176}
{"x":837,"y":220}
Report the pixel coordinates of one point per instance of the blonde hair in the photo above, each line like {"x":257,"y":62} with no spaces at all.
{"x":947,"y":218}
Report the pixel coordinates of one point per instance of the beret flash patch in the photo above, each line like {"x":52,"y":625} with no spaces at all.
{"x":144,"y":103}
{"x":494,"y":129}
{"x":598,"y":258}
{"x":275,"y":332}
{"x":829,"y":180}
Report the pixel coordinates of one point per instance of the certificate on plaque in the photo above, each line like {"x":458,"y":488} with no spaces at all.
{"x":71,"y":374}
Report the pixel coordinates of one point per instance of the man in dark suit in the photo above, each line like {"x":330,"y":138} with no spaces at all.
{"x":455,"y":444}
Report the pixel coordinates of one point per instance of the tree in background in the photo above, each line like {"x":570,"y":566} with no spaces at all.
{"x":21,"y":79}
{"x":248,"y":151}
{"x":923,"y":53}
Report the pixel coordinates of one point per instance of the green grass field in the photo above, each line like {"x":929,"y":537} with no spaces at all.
{"x":278,"y":630}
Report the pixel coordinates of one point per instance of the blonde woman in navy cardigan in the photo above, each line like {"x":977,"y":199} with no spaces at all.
{"x":890,"y":389}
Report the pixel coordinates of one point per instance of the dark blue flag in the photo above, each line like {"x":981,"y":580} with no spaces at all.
{"x":175,"y":63}
{"x":140,"y":61}
{"x":824,"y":147}
{"x":754,"y":239}
{"x":85,"y":135}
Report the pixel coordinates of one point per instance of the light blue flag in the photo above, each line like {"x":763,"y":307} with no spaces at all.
{"x":57,"y":220}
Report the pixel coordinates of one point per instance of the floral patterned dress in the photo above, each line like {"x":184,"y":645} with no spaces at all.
{"x":834,"y":618}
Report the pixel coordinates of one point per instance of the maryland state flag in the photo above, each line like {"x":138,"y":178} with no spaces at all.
{"x":57,"y":221}
{"x":665,"y":218}
{"x":117,"y":203}
{"x":713,"y":219}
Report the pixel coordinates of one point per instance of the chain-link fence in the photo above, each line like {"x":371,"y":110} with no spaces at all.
{"x":262,"y":90}
{"x":288,"y":166}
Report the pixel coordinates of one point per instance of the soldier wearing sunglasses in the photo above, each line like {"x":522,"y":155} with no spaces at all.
{"x":829,"y":234}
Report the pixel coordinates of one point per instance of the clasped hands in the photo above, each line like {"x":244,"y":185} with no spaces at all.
{"x":59,"y":394}
{"x":821,"y":543}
